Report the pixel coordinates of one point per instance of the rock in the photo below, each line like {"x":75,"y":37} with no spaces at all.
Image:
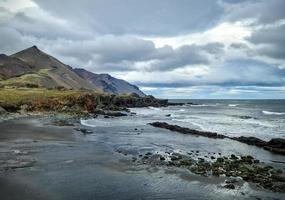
{"x":278,"y":187}
{"x":161,"y":158}
{"x":174,"y":157}
{"x":244,"y":167}
{"x":168,"y":115}
{"x":187,"y":162}
{"x":2,"y":111}
{"x":250,"y":141}
{"x":228,"y":181}
{"x":279,"y":178}
{"x":24,"y":107}
{"x":229,"y":186}
{"x":245,"y":117}
{"x":247,"y":159}
{"x":276,"y":143}
{"x":84,"y":131}
{"x":62,"y":122}
{"x":116,"y":114}
{"x":186,"y":130}
{"x":213,"y":157}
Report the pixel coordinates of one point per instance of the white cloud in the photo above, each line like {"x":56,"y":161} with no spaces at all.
{"x":16,"y":5}
{"x":225,"y":33}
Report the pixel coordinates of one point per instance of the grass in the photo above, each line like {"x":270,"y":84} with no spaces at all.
{"x":40,"y":79}
{"x":19,"y":96}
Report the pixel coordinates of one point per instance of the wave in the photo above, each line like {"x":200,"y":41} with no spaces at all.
{"x":272,"y":113}
{"x":260,"y":123}
{"x":204,"y":105}
{"x":85,"y":123}
{"x":154,"y":108}
{"x":233,"y":105}
{"x":200,"y":126}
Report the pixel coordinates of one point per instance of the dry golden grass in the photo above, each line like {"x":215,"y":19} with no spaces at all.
{"x":19,"y":96}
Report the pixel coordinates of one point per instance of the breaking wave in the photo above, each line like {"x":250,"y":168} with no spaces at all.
{"x":272,"y":113}
{"x":233,"y":105}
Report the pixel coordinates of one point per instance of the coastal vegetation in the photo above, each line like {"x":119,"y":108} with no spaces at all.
{"x":70,"y":101}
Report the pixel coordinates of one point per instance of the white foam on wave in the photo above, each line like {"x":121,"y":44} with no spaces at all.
{"x":259,"y":123}
{"x":87,"y":123}
{"x":191,"y":122}
{"x":233,"y":105}
{"x":182,"y":110}
{"x":204,"y":105}
{"x":272,"y":113}
{"x":154,"y":108}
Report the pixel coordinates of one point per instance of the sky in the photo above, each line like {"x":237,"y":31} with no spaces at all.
{"x":214,"y":49}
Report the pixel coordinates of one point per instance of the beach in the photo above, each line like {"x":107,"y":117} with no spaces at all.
{"x":104,"y":158}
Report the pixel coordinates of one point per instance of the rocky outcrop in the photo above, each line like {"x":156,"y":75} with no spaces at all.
{"x":250,"y":141}
{"x":186,"y":130}
{"x":93,"y":103}
{"x":236,"y":168}
{"x":275,"y":145}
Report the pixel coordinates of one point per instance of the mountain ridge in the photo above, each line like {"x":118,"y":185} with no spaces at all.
{"x":107,"y":83}
{"x":33,"y":67}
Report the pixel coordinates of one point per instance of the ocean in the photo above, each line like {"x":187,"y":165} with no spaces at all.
{"x":264,"y":119}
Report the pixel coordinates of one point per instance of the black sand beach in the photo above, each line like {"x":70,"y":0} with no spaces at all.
{"x":43,"y":161}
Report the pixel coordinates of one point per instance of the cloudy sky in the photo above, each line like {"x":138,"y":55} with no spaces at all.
{"x":172,"y":49}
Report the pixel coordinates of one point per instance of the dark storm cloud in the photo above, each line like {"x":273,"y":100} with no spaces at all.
{"x":263,"y":11}
{"x":270,"y":41}
{"x":109,"y":51}
{"x":156,"y":17}
{"x":187,"y":55}
{"x":235,"y":72}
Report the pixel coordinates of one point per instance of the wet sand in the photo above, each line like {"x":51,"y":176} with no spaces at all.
{"x":67,"y":164}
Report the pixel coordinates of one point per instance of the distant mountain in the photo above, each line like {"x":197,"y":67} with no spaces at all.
{"x":32,"y":67}
{"x":108,"y":84}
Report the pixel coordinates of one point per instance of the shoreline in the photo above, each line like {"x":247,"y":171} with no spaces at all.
{"x":27,"y":153}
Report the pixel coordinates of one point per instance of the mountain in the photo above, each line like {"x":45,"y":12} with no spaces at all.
{"x":32,"y":67}
{"x":108,"y":84}
{"x":50,"y":72}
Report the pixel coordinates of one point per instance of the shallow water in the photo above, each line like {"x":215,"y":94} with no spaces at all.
{"x":99,"y":165}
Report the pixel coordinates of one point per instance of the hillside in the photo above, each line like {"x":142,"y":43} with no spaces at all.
{"x":10,"y":67}
{"x":32,"y":67}
{"x":108,"y":84}
{"x":50,"y":72}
